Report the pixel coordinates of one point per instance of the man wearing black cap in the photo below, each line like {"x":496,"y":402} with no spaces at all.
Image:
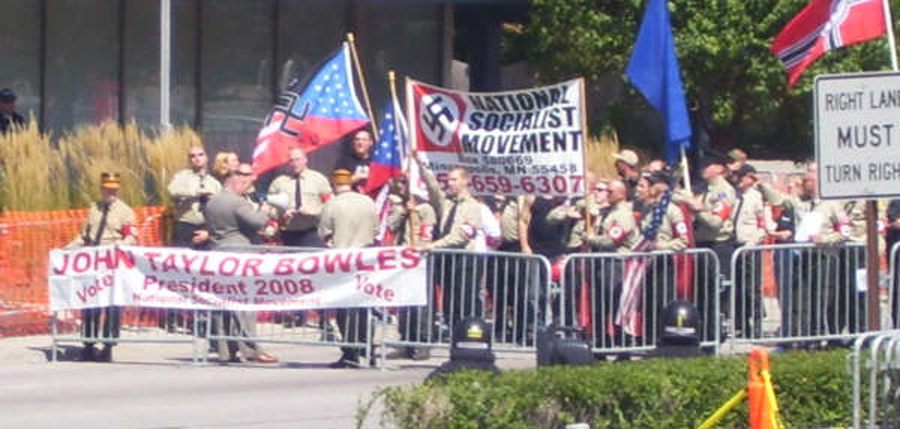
{"x":749,"y":230}
{"x":8,"y":115}
{"x":713,"y":230}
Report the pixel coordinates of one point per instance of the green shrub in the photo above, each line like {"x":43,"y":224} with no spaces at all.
{"x":813,"y":390}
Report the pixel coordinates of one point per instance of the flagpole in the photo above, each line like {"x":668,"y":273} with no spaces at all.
{"x":890,"y":33}
{"x":686,"y":170}
{"x":362,"y":82}
{"x":584,"y":169}
{"x":413,"y":218}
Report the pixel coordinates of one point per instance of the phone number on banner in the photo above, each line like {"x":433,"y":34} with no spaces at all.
{"x":560,"y":184}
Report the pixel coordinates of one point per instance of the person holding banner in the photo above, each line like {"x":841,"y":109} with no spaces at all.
{"x":411,"y":230}
{"x":234,"y":221}
{"x":459,"y":220}
{"x":109,"y":221}
{"x":349,"y":220}
{"x":307,"y":191}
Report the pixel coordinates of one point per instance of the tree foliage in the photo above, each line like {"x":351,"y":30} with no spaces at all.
{"x":736,"y":89}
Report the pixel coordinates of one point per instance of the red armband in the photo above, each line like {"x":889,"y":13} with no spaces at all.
{"x":843,"y":228}
{"x":468,"y":230}
{"x":425,"y":231}
{"x":129,"y":230}
{"x":325,"y":197}
{"x":681,"y":229}
{"x":722,"y":210}
{"x":616,"y":233}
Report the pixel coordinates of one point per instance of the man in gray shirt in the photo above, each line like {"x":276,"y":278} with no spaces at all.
{"x":232,"y":220}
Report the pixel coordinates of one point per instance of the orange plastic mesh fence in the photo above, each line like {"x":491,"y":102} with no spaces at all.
{"x":26,"y":239}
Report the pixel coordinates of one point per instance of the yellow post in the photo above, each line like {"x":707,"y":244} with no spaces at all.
{"x":720,"y":413}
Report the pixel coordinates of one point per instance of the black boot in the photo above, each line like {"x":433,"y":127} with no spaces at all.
{"x":105,"y":355}
{"x":88,"y":353}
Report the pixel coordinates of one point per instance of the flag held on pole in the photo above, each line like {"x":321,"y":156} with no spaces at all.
{"x":309,"y":117}
{"x":653,"y":70}
{"x":825,"y":25}
{"x":388,"y":157}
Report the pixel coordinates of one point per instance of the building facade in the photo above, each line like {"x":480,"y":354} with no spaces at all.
{"x":76,"y":62}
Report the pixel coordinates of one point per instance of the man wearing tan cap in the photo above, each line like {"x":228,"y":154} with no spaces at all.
{"x":627,"y":162}
{"x":737,"y":159}
{"x":349,"y":220}
{"x":109,"y":221}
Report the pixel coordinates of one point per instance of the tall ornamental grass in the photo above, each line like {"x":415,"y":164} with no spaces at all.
{"x":33,"y":174}
{"x":599,"y":153}
{"x":40,"y":173}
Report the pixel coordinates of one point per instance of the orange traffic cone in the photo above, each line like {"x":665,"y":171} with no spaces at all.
{"x":761,"y":396}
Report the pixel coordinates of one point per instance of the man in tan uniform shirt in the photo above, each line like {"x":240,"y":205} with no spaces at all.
{"x":190,"y":190}
{"x":815,"y":282}
{"x":712,"y":230}
{"x":748,"y":219}
{"x":615,"y":231}
{"x":110,"y":221}
{"x":414,"y":322}
{"x":349,"y":220}
{"x":307,"y":192}
{"x":459,"y":218}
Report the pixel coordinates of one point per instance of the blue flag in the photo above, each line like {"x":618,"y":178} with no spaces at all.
{"x":653,"y":70}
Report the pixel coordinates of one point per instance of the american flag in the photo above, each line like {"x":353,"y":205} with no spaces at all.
{"x":629,"y":315}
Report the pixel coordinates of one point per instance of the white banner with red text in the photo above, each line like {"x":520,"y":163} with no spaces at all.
{"x":166,"y":277}
{"x":512,"y":143}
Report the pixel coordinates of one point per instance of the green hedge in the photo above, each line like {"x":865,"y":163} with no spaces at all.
{"x":813,"y":390}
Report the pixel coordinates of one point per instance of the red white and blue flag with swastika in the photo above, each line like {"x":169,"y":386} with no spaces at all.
{"x":825,"y":25}
{"x":311,"y":116}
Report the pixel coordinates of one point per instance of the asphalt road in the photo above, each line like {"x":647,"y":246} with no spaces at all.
{"x":156,"y":386}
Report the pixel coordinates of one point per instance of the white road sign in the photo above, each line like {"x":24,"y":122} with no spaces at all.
{"x":858,"y":135}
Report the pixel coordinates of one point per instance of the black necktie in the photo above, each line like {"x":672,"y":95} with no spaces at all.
{"x":102,"y":226}
{"x":298,"y":194}
{"x":737,"y":215}
{"x":451,"y":216}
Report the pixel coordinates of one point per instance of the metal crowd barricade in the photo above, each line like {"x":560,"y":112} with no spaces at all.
{"x":875,"y":367}
{"x":115,"y":325}
{"x":593,"y":285}
{"x":126,"y":324}
{"x":893,"y":284}
{"x":321,"y":327}
{"x":821,"y":293}
{"x":508,"y":290}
